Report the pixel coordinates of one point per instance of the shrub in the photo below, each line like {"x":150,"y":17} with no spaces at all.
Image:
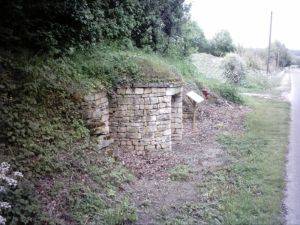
{"x":8,"y":182}
{"x":258,"y":81}
{"x":228,"y":92}
{"x":234,"y":69}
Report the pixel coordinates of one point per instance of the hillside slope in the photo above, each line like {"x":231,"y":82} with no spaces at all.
{"x":66,"y":180}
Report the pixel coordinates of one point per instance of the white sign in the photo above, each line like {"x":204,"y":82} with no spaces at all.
{"x":195,"y":97}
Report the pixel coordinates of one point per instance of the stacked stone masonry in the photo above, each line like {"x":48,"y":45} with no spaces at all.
{"x":139,"y":119}
{"x":96,"y":114}
{"x":176,"y":122}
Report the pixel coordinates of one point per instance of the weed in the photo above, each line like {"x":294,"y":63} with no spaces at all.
{"x":180,"y":173}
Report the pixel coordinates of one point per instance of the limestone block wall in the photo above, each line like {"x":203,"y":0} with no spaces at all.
{"x":141,"y":118}
{"x":176,"y":121}
{"x":96,"y":114}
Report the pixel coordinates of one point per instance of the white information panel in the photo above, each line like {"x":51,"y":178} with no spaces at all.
{"x":195,"y":97}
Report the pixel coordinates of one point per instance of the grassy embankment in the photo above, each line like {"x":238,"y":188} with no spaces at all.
{"x":44,"y":136}
{"x":66,"y":181}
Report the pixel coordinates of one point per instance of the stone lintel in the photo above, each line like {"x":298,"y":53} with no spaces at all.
{"x":156,"y":85}
{"x":173,"y":91}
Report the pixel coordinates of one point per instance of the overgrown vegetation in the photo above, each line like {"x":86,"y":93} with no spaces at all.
{"x":234,"y":69}
{"x":190,"y":73}
{"x":62,"y":25}
{"x":249,"y":187}
{"x":45,"y":137}
{"x":228,"y":92}
{"x":257,"y":81}
{"x":52,"y":54}
{"x":221,"y":44}
{"x":180,"y":173}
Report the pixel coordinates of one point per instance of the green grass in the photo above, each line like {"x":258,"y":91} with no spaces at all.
{"x":248,"y":188}
{"x":180,"y":173}
{"x":101,"y":66}
{"x":251,"y":186}
{"x":191,"y":74}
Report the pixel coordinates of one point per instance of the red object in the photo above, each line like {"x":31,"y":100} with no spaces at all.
{"x":205,"y":93}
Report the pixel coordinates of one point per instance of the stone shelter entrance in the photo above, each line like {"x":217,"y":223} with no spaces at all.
{"x":139,"y":118}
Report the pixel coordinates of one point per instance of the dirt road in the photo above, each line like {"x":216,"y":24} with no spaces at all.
{"x":293,"y":166}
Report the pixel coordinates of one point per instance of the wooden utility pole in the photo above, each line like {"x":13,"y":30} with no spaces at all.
{"x":270,"y":39}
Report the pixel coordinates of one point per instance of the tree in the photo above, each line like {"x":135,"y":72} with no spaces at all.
{"x":159,"y":23}
{"x":60,"y":24}
{"x":190,"y":41}
{"x":221,"y":44}
{"x":280,"y":54}
{"x":194,"y":36}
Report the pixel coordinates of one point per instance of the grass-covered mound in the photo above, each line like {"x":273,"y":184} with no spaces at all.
{"x":66,"y":181}
{"x":44,"y":136}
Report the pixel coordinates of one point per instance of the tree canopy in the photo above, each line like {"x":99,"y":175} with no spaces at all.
{"x":221,"y":44}
{"x":62,"y":24}
{"x":280,"y":54}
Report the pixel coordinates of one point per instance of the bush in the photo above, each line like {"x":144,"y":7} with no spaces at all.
{"x":254,"y":58}
{"x":234,"y":69}
{"x":229,"y":92}
{"x":258,"y":81}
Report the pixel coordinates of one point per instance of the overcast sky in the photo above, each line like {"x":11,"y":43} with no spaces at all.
{"x":248,"y":20}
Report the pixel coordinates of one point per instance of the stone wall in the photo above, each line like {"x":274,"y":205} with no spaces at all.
{"x":176,"y":125}
{"x":96,"y":114}
{"x":141,"y":118}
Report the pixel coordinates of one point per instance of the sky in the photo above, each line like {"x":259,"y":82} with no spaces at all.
{"x":248,"y":20}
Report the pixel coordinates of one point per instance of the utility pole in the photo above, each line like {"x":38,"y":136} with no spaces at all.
{"x":270,"y":39}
